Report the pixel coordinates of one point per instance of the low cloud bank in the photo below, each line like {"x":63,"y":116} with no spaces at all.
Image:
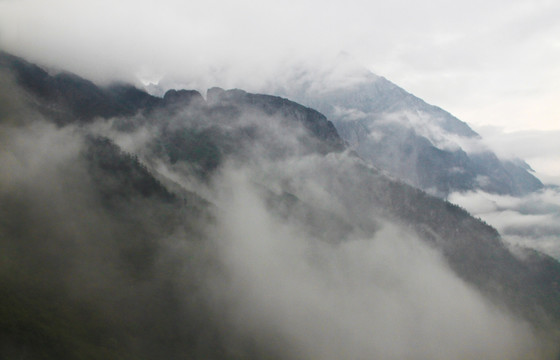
{"x":539,"y":148}
{"x":383,"y":297}
{"x":227,"y":270}
{"x":532,"y":221}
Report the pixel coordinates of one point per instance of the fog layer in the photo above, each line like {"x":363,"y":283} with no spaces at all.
{"x":258,"y":250}
{"x":530,"y":221}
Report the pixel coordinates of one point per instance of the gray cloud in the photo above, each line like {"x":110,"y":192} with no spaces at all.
{"x":384,"y":297}
{"x":531,"y":221}
{"x":258,"y":278}
{"x":450,"y":53}
{"x":540,"y":149}
{"x":248,"y":280}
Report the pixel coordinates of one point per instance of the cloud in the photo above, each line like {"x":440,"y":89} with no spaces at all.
{"x":451,"y":54}
{"x":246,"y":278}
{"x":530,"y":221}
{"x":351,"y":299}
{"x":67,"y":251}
{"x":539,"y":148}
{"x":432,"y":128}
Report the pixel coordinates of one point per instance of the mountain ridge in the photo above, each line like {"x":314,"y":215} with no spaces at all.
{"x":400,"y":133}
{"x":153,"y":256}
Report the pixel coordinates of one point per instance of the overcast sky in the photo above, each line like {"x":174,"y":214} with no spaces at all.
{"x":490,"y":63}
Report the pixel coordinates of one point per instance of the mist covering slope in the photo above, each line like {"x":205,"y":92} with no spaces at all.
{"x":394,"y":130}
{"x":237,"y":226}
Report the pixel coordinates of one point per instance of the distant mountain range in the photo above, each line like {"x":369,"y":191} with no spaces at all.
{"x":243,"y":226}
{"x":395,"y":131}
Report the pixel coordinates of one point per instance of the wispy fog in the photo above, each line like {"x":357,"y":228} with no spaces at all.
{"x":383,"y":297}
{"x":532,"y":221}
{"x":539,"y":148}
{"x":451,"y":54}
{"x":248,"y":274}
{"x":494,"y":66}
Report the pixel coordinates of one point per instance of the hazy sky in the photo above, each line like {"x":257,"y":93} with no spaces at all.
{"x":488,"y":62}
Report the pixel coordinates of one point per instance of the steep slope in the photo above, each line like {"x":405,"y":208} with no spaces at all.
{"x":237,"y":227}
{"x":395,"y":131}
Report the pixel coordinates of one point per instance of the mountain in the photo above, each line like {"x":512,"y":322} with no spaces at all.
{"x":240,"y":226}
{"x":397,"y":132}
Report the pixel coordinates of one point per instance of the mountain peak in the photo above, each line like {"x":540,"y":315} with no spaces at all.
{"x":181,"y":97}
{"x":201,"y":215}
{"x":400,"y":133}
